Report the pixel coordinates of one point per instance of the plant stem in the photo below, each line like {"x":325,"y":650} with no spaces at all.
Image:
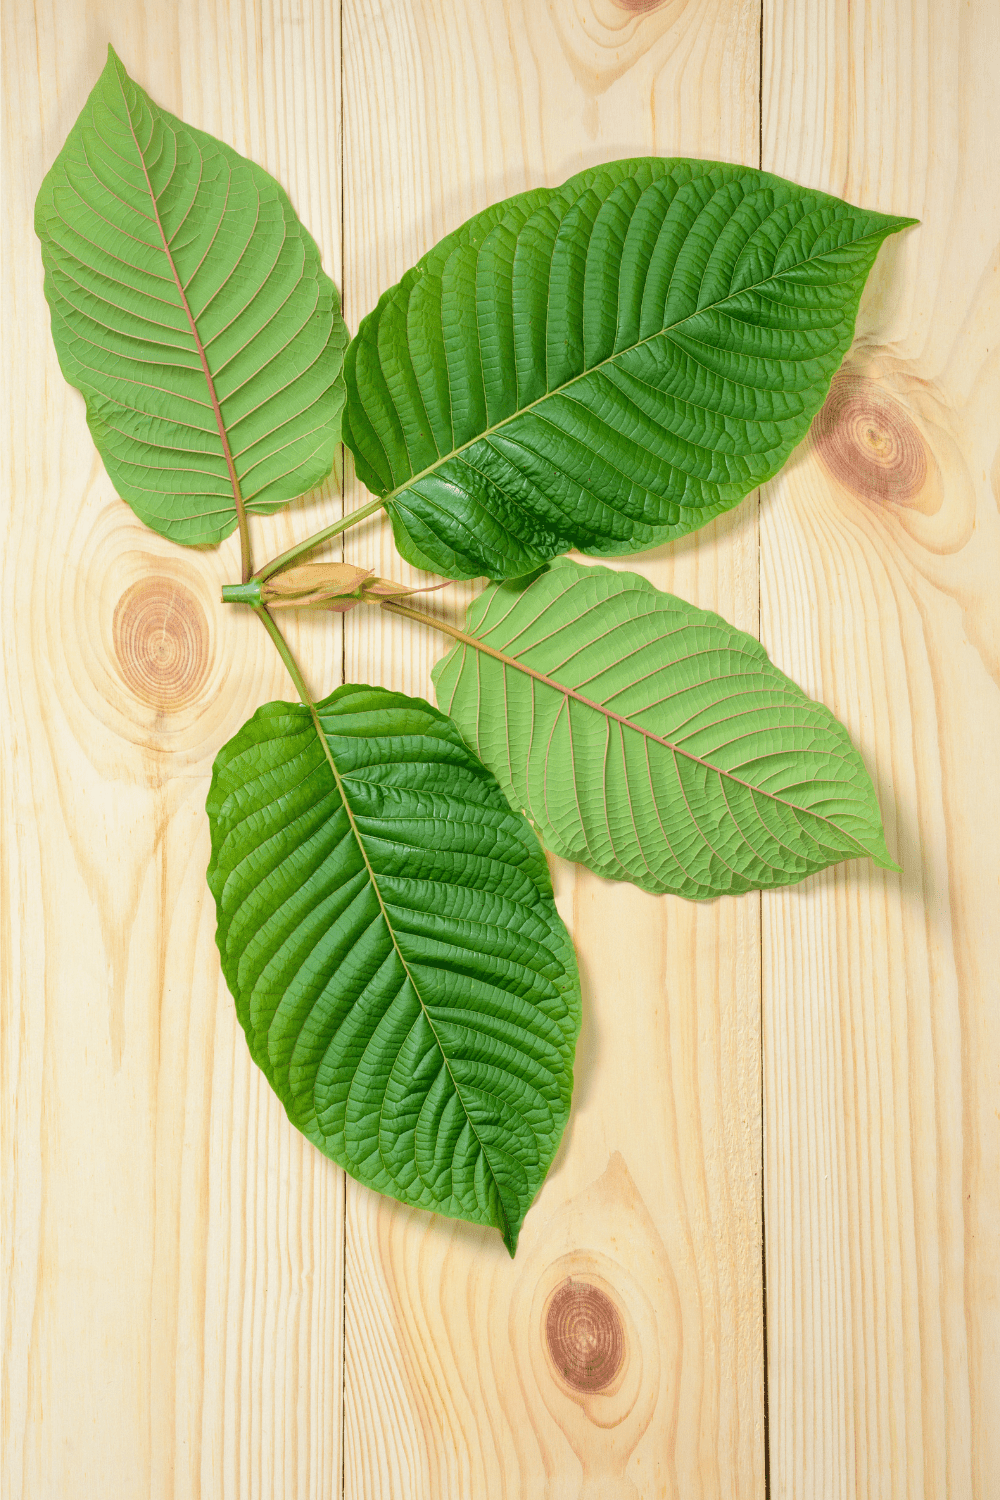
{"x":241,"y":593}
{"x":246,"y":557}
{"x":395,"y":608}
{"x":285,"y":559}
{"x":284,"y":651}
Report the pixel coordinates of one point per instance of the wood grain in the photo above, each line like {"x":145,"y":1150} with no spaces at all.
{"x":172,"y":1260}
{"x":194,"y":1305}
{"x":652,"y":1211}
{"x":879,"y":548}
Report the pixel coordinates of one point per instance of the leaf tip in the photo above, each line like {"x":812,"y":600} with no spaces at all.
{"x":878,"y":853}
{"x":895,"y":224}
{"x":115,"y":74}
{"x":507,"y":1221}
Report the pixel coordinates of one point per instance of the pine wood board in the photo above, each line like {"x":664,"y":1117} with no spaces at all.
{"x":880,"y":546}
{"x":451,"y":1386}
{"x":193,"y":1304}
{"x":173,"y":1252}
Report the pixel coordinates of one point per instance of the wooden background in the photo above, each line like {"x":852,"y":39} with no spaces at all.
{"x":788,"y":1105}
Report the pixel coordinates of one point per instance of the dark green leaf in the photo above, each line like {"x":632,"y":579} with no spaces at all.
{"x":387,"y":927}
{"x":605,"y":365}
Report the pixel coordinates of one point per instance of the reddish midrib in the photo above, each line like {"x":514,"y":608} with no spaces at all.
{"x":568,"y":692}
{"x":223,"y":435}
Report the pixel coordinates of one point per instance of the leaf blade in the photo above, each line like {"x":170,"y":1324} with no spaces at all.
{"x":189,"y":307}
{"x":560,"y":425}
{"x":653,"y":741}
{"x":387,"y":929}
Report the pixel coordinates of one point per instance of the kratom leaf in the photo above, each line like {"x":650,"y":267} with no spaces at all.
{"x":651,"y":740}
{"x":387,"y":928}
{"x":189,"y":307}
{"x":605,"y":365}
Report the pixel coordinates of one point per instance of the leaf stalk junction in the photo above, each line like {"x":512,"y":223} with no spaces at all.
{"x":286,"y":559}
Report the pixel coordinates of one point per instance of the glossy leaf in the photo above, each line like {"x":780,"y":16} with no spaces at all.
{"x":387,"y":928}
{"x":606,"y":365}
{"x":653,"y":741}
{"x":189,"y":306}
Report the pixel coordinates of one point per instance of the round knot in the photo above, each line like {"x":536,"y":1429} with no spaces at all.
{"x":584,"y":1333}
{"x":161,"y":642}
{"x":869,"y":444}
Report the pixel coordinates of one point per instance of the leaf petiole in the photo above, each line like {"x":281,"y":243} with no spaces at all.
{"x":284,"y":651}
{"x":285,"y":559}
{"x":395,"y":608}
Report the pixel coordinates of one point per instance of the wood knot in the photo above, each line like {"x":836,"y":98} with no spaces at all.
{"x":161,"y":642}
{"x":583,"y":1331}
{"x":639,"y":7}
{"x":869,"y":444}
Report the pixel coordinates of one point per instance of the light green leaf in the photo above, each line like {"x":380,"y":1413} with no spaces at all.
{"x":605,"y":365}
{"x":651,"y":740}
{"x":387,"y":928}
{"x":189,"y":306}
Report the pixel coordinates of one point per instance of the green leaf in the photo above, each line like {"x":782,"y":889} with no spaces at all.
{"x":189,"y":307}
{"x":387,"y":928}
{"x":606,"y":365}
{"x":651,"y":740}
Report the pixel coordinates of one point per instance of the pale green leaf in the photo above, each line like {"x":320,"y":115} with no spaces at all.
{"x":605,"y":365}
{"x":651,"y":740}
{"x":189,"y":306}
{"x":387,"y":928}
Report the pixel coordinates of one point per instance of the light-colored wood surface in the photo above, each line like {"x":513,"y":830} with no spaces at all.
{"x":880,"y":555}
{"x":195,"y":1303}
{"x":173,"y":1251}
{"x":450,"y":1389}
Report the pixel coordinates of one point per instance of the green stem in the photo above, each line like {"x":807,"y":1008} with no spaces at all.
{"x":283,"y":650}
{"x":241,"y":593}
{"x":285,"y":559}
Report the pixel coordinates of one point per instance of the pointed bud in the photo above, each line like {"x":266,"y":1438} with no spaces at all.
{"x":387,"y":588}
{"x":335,"y":586}
{"x":331,"y":586}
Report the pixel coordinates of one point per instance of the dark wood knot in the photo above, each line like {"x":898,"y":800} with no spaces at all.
{"x":639,"y":7}
{"x":583,"y":1331}
{"x":868,"y":442}
{"x":161,"y":642}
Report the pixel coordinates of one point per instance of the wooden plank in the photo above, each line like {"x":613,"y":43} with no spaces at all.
{"x":172,"y":1261}
{"x":879,"y":559}
{"x":653,"y":1206}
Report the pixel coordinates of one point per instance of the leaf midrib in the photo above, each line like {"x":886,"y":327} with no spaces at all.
{"x":342,"y":791}
{"x":617,"y":354}
{"x":512,"y":661}
{"x":199,"y":346}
